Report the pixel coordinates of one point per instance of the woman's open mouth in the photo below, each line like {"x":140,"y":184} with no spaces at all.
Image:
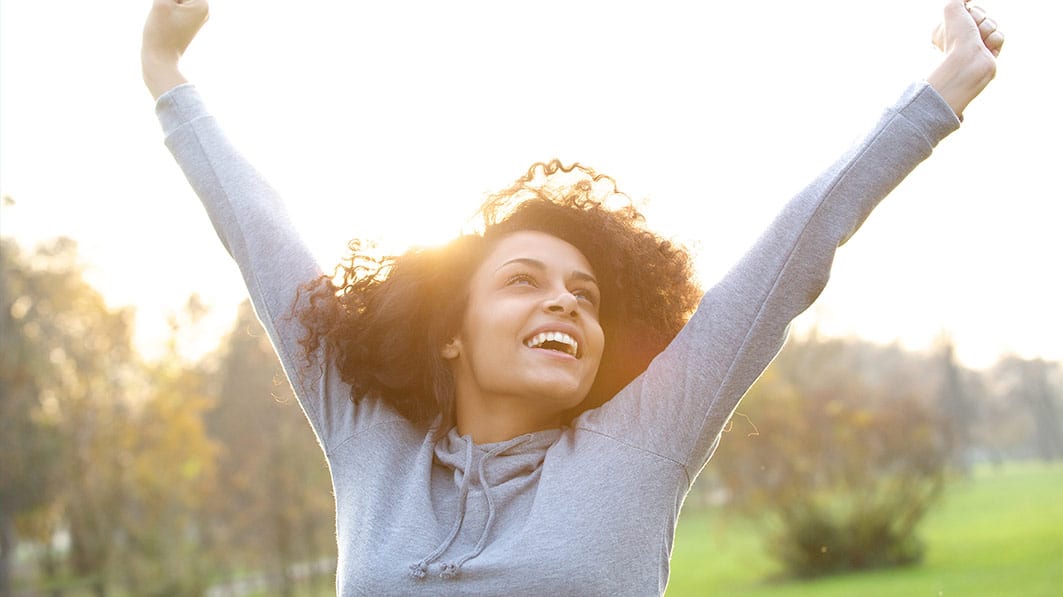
{"x":556,"y":341}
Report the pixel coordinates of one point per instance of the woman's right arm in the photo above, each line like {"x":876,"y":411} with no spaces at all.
{"x":249,"y":217}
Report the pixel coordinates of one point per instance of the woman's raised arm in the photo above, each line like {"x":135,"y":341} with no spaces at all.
{"x":170,"y":27}
{"x":678,"y":407}
{"x":248,"y":214}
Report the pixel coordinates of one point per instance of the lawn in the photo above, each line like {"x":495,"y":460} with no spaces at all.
{"x":999,"y":532}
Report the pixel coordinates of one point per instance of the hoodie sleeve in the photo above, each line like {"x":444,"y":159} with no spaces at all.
{"x":678,"y":407}
{"x":253,"y":225}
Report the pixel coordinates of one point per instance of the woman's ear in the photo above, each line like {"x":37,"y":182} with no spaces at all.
{"x":451,"y":349}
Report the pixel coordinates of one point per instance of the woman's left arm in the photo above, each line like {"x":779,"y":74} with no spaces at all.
{"x":679,"y":405}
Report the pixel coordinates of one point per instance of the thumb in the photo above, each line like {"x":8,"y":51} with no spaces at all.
{"x":954,"y":9}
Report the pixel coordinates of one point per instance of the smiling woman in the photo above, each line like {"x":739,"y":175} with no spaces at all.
{"x":523,"y":410}
{"x":561,"y":251}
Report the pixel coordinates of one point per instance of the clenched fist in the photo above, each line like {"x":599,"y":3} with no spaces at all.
{"x":170,"y":27}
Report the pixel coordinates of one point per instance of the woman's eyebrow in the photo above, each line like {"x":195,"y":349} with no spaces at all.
{"x":527,"y":261}
{"x":585,"y":277}
{"x":539,"y":265}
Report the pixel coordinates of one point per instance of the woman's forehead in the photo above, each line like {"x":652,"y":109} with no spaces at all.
{"x":536,"y":249}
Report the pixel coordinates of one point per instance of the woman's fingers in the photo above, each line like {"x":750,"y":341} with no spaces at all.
{"x":960,"y":25}
{"x":994,"y":42}
{"x":987,"y":28}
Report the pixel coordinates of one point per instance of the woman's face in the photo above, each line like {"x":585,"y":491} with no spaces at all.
{"x":530,"y":341}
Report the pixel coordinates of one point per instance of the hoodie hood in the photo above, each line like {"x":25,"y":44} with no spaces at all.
{"x":502,"y":461}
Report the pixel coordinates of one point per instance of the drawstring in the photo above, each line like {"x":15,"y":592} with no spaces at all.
{"x":452,"y":570}
{"x":419,"y":569}
{"x":449,"y":570}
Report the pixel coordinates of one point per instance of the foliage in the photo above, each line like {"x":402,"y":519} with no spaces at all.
{"x":274,"y":500}
{"x":168,"y":466}
{"x":65,"y":354}
{"x":847,"y":456}
{"x":98,"y":448}
{"x":1024,"y":410}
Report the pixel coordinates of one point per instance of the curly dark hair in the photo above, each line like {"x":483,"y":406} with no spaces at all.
{"x":384,"y":323}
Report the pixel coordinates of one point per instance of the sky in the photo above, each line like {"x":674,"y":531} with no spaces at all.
{"x":391,"y":121}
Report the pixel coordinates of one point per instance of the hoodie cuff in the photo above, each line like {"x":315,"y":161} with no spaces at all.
{"x":924,"y":107}
{"x":179,"y":106}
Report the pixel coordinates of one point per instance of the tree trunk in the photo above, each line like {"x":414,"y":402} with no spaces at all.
{"x":50,"y":566}
{"x":1043,"y":408}
{"x":7,"y":548}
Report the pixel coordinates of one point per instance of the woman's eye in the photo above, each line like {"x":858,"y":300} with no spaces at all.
{"x":521,"y":280}
{"x":585,"y":295}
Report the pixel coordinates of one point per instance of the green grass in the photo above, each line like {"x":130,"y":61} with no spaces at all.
{"x":997,"y":533}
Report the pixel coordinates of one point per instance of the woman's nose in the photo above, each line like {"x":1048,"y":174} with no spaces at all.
{"x":565,"y":302}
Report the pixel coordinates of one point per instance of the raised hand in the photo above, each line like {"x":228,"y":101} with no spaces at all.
{"x":971,"y":42}
{"x":170,"y":27}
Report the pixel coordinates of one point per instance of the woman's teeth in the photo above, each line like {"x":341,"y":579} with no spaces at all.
{"x":559,"y":341}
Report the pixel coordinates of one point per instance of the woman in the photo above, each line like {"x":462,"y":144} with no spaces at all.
{"x":538,"y":432}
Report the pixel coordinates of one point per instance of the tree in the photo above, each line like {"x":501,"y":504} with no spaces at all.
{"x":847,"y":454}
{"x":169,"y":465}
{"x":275,"y":493}
{"x":30,"y":442}
{"x":65,"y":360}
{"x":957,"y":405}
{"x":1026,"y":386}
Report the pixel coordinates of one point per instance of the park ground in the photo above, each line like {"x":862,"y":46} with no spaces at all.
{"x":997,"y":532}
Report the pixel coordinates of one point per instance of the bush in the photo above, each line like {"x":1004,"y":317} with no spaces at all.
{"x":843,"y":455}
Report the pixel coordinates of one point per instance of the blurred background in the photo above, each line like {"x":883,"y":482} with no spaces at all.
{"x":910,"y":430}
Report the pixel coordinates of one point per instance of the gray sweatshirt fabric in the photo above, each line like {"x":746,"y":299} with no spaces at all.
{"x":588,"y":509}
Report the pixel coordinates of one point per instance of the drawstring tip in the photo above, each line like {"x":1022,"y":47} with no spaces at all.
{"x":448,"y":571}
{"x":418,"y":570}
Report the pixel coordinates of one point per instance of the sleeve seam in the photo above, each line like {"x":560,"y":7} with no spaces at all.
{"x":331,"y":450}
{"x":682,"y":467}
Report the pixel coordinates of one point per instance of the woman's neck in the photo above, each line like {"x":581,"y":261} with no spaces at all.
{"x":496,"y":420}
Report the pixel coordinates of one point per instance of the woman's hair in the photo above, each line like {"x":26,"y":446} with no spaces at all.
{"x":386,"y":320}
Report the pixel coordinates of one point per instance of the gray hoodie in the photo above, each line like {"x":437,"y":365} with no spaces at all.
{"x":587,"y":509}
